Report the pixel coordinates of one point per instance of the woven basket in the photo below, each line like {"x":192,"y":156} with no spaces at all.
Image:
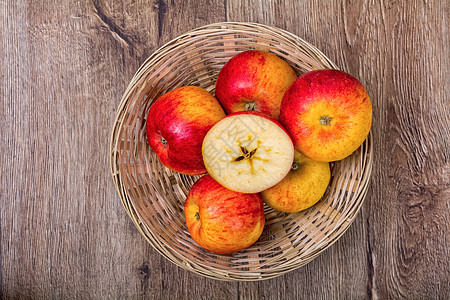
{"x":154,"y":196}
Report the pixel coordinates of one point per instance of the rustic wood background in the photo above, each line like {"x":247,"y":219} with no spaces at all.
{"x":64,"y":66}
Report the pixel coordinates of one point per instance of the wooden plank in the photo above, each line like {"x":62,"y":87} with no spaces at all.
{"x":409,"y":213}
{"x":63,"y":226}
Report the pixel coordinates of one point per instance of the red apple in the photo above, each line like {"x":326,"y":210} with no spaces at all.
{"x":302,"y":187}
{"x":177,"y":124}
{"x":328,"y":114}
{"x":248,"y":152}
{"x":220,"y":220}
{"x":254,"y":80}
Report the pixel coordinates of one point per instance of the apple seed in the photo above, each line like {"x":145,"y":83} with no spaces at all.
{"x":239,"y":158}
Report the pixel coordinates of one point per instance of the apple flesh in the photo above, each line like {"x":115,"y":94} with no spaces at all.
{"x":220,"y":220}
{"x":247,"y":152}
{"x":302,"y":187}
{"x":328,"y":114}
{"x":254,"y":81}
{"x":176,"y":125}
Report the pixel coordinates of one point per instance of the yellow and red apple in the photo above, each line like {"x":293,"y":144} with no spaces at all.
{"x":254,"y":81}
{"x":220,"y":220}
{"x":303,"y":186}
{"x":248,"y":152}
{"x":176,"y":125}
{"x":328,"y":114}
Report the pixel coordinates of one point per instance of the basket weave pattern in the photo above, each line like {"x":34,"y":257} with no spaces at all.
{"x":153,"y":195}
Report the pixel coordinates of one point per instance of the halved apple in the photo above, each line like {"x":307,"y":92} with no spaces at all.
{"x":247,"y":152}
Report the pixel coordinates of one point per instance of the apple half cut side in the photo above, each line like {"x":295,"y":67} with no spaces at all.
{"x":248,"y":152}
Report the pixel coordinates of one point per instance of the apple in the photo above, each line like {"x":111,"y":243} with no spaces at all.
{"x":254,"y":81}
{"x":177,"y":123}
{"x":328,"y":114}
{"x":220,"y":220}
{"x":302,"y":187}
{"x":248,"y":152}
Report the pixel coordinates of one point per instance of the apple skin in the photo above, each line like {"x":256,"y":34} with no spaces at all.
{"x":220,"y":220}
{"x":254,"y":80}
{"x":302,"y":187}
{"x":176,"y":125}
{"x":328,"y":114}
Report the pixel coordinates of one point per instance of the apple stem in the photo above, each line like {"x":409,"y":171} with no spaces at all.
{"x":325,"y":120}
{"x":295,"y":166}
{"x":163,"y":141}
{"x":250,"y":106}
{"x":197,"y":216}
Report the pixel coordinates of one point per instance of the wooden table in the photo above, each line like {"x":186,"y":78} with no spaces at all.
{"x":64,"y":67}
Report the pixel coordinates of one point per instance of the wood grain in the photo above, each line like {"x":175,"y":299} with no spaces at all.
{"x":64,"y":233}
